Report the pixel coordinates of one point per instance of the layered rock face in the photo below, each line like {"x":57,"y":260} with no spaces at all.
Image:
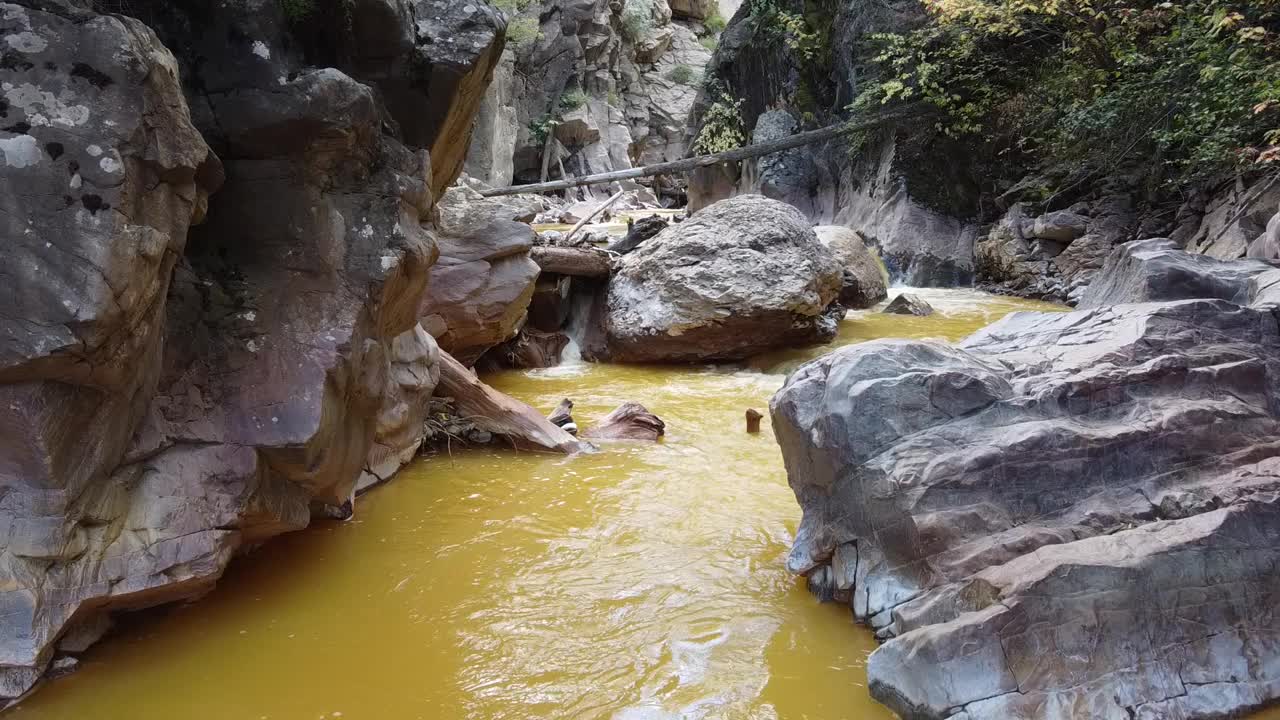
{"x":591,"y":86}
{"x":174,"y":397}
{"x":480,"y":288}
{"x":1067,"y":515}
{"x":104,"y":173}
{"x":741,"y":277}
{"x":1156,"y":269}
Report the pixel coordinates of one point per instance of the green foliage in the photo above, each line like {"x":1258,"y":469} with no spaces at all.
{"x":541,"y":129}
{"x":681,"y":75}
{"x":1192,"y":87}
{"x":637,"y":19}
{"x":298,"y":10}
{"x":774,"y":21}
{"x":715,"y":22}
{"x":522,"y":31}
{"x":512,"y":6}
{"x":710,"y":43}
{"x":614,"y":99}
{"x":722,"y":125}
{"x":572,"y":100}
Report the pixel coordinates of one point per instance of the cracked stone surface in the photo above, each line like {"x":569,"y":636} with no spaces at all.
{"x":1067,"y":515}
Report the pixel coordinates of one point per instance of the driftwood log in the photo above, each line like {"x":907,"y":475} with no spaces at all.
{"x":501,"y":414}
{"x":591,"y":216}
{"x":631,"y":421}
{"x":576,"y":261}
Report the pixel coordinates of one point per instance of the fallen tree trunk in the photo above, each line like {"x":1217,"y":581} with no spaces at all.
{"x":683,"y":166}
{"x":601,"y":208}
{"x":576,"y":261}
{"x":501,"y":414}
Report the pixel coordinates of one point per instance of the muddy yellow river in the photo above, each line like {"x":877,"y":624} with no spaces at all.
{"x":640,"y":583}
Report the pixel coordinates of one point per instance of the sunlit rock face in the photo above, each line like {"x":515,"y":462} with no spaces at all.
{"x":173,"y":394}
{"x":1067,"y":515}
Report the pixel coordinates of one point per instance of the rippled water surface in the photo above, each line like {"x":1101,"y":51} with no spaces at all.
{"x":642,"y":582}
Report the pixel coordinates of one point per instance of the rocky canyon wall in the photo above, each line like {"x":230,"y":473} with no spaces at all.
{"x":219,"y":220}
{"x":592,"y":86}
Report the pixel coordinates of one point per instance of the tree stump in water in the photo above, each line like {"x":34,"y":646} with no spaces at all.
{"x":631,"y":421}
{"x":753,"y":421}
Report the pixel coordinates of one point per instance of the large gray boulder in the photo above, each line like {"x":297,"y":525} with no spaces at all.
{"x":864,"y":278}
{"x":741,"y":277}
{"x":1157,"y":269}
{"x":1067,"y":516}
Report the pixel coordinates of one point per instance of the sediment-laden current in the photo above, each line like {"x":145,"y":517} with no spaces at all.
{"x":645,"y":581}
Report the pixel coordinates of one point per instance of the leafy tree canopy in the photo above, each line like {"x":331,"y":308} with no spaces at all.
{"x":1191,"y":89}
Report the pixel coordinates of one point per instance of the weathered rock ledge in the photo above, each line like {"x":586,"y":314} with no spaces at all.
{"x":1068,"y":515}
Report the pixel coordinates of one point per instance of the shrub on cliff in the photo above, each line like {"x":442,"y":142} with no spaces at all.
{"x":681,"y":75}
{"x":522,"y":31}
{"x":637,"y":19}
{"x":1191,"y":88}
{"x":722,"y":125}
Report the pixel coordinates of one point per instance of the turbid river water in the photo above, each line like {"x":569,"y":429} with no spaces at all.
{"x":642,"y":582}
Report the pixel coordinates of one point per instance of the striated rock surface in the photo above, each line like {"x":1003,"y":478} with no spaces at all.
{"x":741,"y":277}
{"x":1157,"y":270}
{"x":1068,"y":515}
{"x":864,"y":277}
{"x":480,"y":288}
{"x":1230,"y":221}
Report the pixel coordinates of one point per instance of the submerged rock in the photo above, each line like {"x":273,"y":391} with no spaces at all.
{"x":1069,"y":515}
{"x":741,"y":277}
{"x":909,"y":304}
{"x":864,"y":279}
